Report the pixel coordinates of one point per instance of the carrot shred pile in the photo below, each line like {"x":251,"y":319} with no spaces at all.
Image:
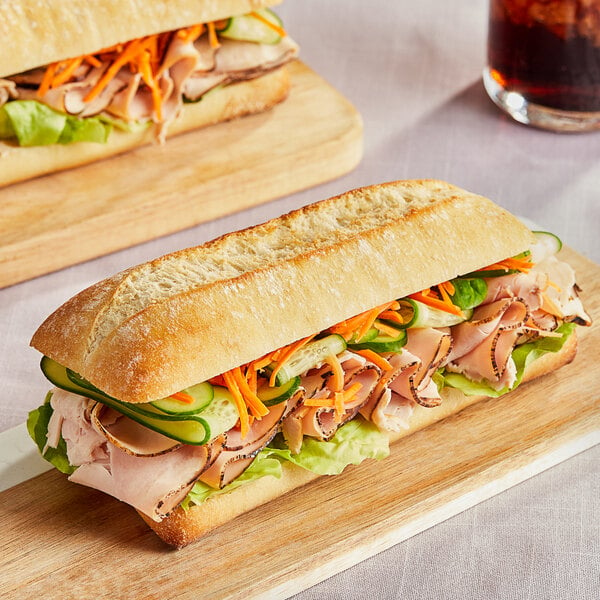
{"x":438,"y":299}
{"x":523,"y":265}
{"x":359,"y":325}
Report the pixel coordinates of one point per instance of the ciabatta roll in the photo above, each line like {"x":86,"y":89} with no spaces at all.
{"x":371,"y":314}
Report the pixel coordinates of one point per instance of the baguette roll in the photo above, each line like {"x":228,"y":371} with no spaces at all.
{"x":354,"y":303}
{"x":194,"y":79}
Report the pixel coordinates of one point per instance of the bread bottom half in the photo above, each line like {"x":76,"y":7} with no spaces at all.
{"x":222,"y":104}
{"x":181,"y":527}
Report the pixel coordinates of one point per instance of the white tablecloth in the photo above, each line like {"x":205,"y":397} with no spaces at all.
{"x":413,"y":70}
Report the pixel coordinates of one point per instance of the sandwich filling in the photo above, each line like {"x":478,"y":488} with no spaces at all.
{"x":323,"y":402}
{"x":141,"y":83}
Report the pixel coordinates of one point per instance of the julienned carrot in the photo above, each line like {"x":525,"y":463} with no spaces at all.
{"x":252,"y":401}
{"x":268,"y":23}
{"x":284,"y":354}
{"x":337,"y":380}
{"x":434,"y":302}
{"x":150,"y":80}
{"x":190,"y":34}
{"x":183,"y":397}
{"x":510,"y":264}
{"x":213,"y":40}
{"x":239,"y":402}
{"x":375,"y":358}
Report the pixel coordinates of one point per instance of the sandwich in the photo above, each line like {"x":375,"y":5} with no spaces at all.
{"x":105,"y":77}
{"x":217,"y":378}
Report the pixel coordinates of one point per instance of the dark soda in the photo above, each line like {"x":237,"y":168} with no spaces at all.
{"x":548,"y":51}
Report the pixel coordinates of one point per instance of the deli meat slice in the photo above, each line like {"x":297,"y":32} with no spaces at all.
{"x":154,"y":485}
{"x":483,"y":346}
{"x":409,"y":381}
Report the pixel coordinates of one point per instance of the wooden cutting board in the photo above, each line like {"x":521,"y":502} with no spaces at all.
{"x":59,"y":220}
{"x":61,"y":540}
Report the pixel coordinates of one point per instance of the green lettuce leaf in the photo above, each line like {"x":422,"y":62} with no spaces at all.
{"x":468,"y":293}
{"x":523,"y":355}
{"x":34,"y":123}
{"x":122,"y":125}
{"x":353,"y":442}
{"x":37,"y":426}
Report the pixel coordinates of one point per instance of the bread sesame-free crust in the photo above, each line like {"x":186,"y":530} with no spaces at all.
{"x":188,"y":316}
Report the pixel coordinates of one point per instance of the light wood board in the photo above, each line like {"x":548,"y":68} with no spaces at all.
{"x":61,"y":540}
{"x":62,"y":219}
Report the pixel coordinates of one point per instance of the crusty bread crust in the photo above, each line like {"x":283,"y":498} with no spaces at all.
{"x":188,"y":316}
{"x":183,"y":527}
{"x":223,"y":104}
{"x":39,"y":32}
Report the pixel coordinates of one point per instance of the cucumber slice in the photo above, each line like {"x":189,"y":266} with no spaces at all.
{"x":417,"y":314}
{"x":189,"y":429}
{"x":370,"y":335}
{"x":547,"y":245}
{"x":274,"y":395}
{"x":308,"y":357}
{"x":221,"y":414}
{"x":380,"y":342}
{"x":201,"y":393}
{"x":250,"y":29}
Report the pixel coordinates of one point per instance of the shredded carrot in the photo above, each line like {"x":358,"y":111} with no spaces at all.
{"x":252,"y":379}
{"x":337,"y":380}
{"x":261,"y":363}
{"x":284,"y":354}
{"x":213,"y":40}
{"x":392,"y":315}
{"x":510,"y":264}
{"x":92,"y":60}
{"x":132,"y":50}
{"x":190,"y":34}
{"x":444,"y":293}
{"x":367,"y":324}
{"x":434,"y":302}
{"x":67,"y":69}
{"x":375,"y":358}
{"x":239,"y":402}
{"x":327,"y":402}
{"x":47,"y":79}
{"x":387,"y":329}
{"x":149,"y":79}
{"x":338,"y":403}
{"x":448,"y":287}
{"x":268,"y":23}
{"x":358,"y":325}
{"x":252,"y":401}
{"x":183,"y":397}
{"x":337,"y":400}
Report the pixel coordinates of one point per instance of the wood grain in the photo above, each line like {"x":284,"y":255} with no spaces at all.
{"x":61,"y":540}
{"x":66,"y":218}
